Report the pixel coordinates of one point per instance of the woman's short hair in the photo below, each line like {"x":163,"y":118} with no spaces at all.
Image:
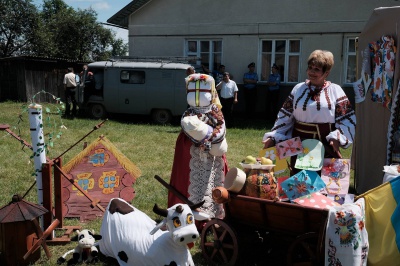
{"x":321,"y":58}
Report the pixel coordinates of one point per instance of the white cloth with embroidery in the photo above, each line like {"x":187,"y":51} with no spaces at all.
{"x":332,"y":106}
{"x":346,"y":240}
{"x":206,"y":173}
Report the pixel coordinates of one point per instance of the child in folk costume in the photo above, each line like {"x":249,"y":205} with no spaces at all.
{"x":200,"y":162}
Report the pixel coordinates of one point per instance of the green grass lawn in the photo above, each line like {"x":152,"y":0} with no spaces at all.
{"x":150,"y":147}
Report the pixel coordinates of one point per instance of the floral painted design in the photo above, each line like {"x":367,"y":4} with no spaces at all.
{"x":289,"y":147}
{"x":335,"y":170}
{"x":196,"y":77}
{"x":348,"y":229}
{"x":270,"y":154}
{"x":301,"y":184}
{"x":99,"y":158}
{"x":85,"y":182}
{"x":108,"y":181}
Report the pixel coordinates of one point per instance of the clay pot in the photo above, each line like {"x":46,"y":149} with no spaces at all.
{"x":220,"y":195}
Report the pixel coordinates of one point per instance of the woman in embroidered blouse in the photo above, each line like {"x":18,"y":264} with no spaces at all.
{"x":316,"y":109}
{"x":195,"y":172}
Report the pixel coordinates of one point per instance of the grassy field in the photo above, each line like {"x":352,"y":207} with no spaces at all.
{"x":150,"y":147}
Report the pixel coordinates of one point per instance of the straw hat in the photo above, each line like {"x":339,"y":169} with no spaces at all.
{"x":195,"y":128}
{"x":235,"y":179}
{"x":219,"y":149}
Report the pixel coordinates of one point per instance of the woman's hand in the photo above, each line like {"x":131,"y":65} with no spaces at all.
{"x":269,"y":142}
{"x":335,"y":145}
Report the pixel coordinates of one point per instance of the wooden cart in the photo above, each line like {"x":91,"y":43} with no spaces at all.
{"x":302,"y":228}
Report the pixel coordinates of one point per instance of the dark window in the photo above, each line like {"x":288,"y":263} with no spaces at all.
{"x":133,"y":77}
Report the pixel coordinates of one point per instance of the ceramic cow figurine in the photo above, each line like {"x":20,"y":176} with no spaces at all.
{"x":133,"y":238}
{"x":85,"y":251}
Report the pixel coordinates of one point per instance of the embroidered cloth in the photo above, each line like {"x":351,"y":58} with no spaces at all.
{"x":346,"y":240}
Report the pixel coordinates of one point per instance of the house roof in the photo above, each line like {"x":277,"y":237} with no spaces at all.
{"x":121,"y":18}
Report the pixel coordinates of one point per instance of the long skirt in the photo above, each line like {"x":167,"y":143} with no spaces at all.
{"x":195,"y":173}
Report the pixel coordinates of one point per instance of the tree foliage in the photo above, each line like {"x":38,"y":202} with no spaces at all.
{"x":19,"y":20}
{"x":57,"y":30}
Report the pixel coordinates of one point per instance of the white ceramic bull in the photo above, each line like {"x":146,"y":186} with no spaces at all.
{"x":133,"y":238}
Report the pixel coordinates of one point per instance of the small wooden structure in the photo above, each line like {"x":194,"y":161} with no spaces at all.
{"x":103,"y":172}
{"x":20,"y":233}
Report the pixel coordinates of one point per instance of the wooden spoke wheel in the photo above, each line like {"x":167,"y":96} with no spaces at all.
{"x":219,"y":243}
{"x":304,"y":250}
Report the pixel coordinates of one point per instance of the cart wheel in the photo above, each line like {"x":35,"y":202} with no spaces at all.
{"x":219,"y":243}
{"x":304,"y":250}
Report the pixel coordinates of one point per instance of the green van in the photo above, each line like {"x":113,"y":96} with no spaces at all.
{"x":155,"y":88}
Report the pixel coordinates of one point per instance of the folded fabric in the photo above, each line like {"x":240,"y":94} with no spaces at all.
{"x":312,"y":156}
{"x":289,"y":147}
{"x":316,"y":200}
{"x":301,"y":184}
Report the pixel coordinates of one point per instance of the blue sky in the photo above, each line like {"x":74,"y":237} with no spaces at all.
{"x":105,"y":9}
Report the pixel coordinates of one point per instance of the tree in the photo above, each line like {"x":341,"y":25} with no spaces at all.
{"x":55,"y":31}
{"x":19,"y":21}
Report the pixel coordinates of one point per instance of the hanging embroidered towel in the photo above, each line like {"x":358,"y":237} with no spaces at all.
{"x":312,"y":156}
{"x":301,"y":184}
{"x":289,"y":147}
{"x":359,"y":91}
{"x":346,"y":240}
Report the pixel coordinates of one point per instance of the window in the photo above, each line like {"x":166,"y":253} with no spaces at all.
{"x":132,"y":77}
{"x":209,"y":53}
{"x":284,"y":53}
{"x":350,"y":60}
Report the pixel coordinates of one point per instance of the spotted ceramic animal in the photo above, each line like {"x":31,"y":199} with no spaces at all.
{"x":133,"y":238}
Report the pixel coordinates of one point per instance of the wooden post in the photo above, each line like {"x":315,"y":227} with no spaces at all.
{"x":47,"y":195}
{"x":58,"y":199}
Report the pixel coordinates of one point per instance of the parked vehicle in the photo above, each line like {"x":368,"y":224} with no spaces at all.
{"x":155,"y":88}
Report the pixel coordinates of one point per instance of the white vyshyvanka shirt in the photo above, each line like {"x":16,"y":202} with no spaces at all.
{"x":331,"y":106}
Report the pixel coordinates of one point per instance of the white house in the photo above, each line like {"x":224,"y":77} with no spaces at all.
{"x":235,"y":33}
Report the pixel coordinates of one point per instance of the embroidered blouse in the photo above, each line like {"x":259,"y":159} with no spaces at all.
{"x":311,"y":105}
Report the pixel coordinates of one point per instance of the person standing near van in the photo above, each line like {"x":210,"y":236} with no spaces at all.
{"x":250,"y":80}
{"x":70,"y":89}
{"x":218,"y":74}
{"x":87,"y":83}
{"x":228,"y":91}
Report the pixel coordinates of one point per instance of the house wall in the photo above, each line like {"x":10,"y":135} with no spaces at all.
{"x":160,"y":28}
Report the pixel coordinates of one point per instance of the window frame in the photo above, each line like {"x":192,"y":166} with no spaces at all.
{"x":287,"y":55}
{"x":347,"y":53}
{"x":213,"y":63}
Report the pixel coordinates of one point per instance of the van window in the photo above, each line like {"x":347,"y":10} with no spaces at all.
{"x":132,"y":77}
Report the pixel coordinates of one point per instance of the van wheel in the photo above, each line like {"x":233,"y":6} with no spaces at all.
{"x":97,"y":111}
{"x":161,"y":116}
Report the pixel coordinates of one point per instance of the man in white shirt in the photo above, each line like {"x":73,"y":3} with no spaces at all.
{"x":228,"y":91}
{"x":70,"y":88}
